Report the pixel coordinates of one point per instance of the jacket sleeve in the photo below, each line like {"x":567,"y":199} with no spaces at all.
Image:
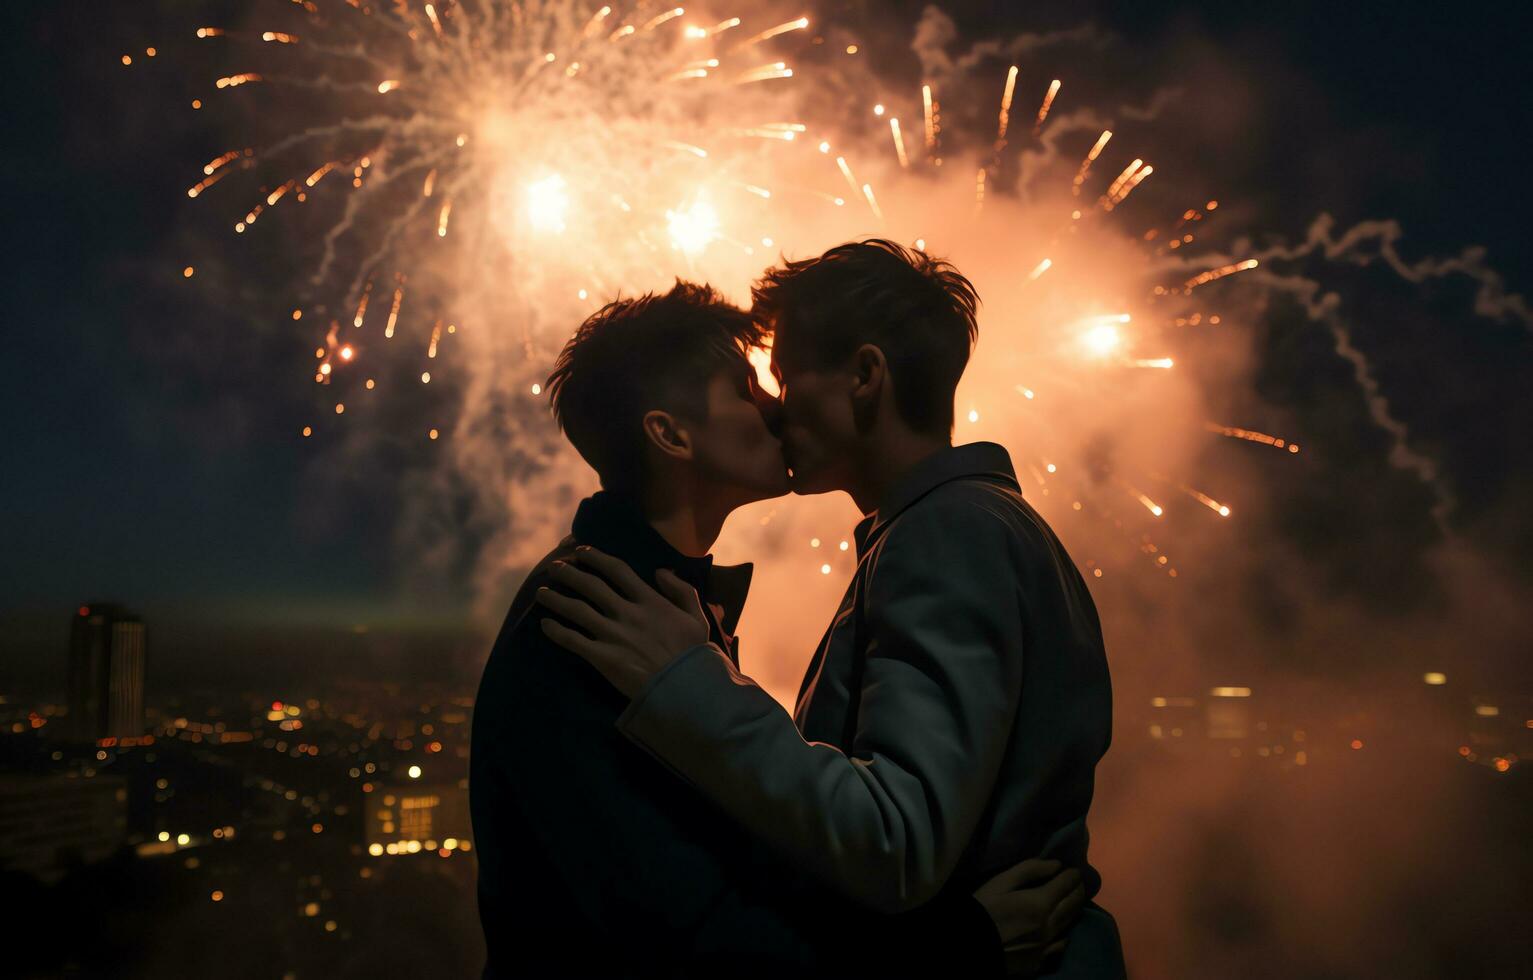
{"x":656,"y":868}
{"x":886,"y":822}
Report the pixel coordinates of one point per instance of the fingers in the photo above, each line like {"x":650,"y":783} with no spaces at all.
{"x":593,"y":587}
{"x":1057,"y":887}
{"x":681,"y":595}
{"x":577,"y":612}
{"x":601,"y":655}
{"x":1068,"y":911}
{"x":1021,"y":875}
{"x":616,"y":571}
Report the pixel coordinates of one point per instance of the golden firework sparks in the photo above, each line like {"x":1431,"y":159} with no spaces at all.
{"x":1096,"y":151}
{"x":1048,"y":101}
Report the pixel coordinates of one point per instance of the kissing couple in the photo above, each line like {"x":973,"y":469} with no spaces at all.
{"x":642,"y":808}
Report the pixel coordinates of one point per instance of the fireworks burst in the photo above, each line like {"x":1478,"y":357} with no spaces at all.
{"x":478,"y":176}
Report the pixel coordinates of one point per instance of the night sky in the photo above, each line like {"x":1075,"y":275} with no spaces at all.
{"x":151,"y":453}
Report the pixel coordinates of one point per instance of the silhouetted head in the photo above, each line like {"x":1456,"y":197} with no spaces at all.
{"x":658,"y":388}
{"x":869,"y":337}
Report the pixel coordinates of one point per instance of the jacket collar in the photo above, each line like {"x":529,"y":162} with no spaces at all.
{"x":615,"y":524}
{"x":977,"y":460}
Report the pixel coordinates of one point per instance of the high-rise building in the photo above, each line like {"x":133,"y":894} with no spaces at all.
{"x":106,"y":673}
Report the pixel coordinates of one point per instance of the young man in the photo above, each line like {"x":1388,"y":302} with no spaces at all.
{"x":952,"y":718}
{"x":594,"y":860}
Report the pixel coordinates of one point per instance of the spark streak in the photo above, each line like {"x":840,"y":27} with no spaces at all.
{"x":1219,"y":273}
{"x":1251,"y":435}
{"x":1048,"y":100}
{"x":1096,"y":150}
{"x":899,"y":143}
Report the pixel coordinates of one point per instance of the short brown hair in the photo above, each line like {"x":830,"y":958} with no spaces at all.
{"x":655,"y":351}
{"x":919,"y":310}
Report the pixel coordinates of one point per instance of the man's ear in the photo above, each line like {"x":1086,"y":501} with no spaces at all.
{"x":667,"y":435}
{"x":870,"y":376}
{"x":870,"y":372}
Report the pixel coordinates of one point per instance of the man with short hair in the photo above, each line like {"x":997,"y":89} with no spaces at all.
{"x":594,"y":860}
{"x":951,"y":721}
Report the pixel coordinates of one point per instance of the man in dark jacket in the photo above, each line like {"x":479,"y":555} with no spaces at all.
{"x":594,"y":860}
{"x":952,"y":718}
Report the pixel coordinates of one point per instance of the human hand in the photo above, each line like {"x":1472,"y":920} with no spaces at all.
{"x":631,"y":630}
{"x":1033,"y":905}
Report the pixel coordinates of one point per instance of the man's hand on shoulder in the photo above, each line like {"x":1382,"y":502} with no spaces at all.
{"x":1033,"y":905}
{"x":631,"y":631}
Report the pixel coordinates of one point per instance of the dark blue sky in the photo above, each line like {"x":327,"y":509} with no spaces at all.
{"x":150,"y":453}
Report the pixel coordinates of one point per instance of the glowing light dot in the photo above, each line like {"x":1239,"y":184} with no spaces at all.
{"x":973,"y":415}
{"x":824,"y":569}
{"x":196,"y":103}
{"x":1102,"y":340}
{"x":340,"y":408}
{"x":188,"y":272}
{"x":388,"y":85}
{"x":150,"y":52}
{"x":183,"y":839}
{"x":537,"y":389}
{"x":1293,"y":447}
{"x":1435,"y":678}
{"x":311,"y":909}
{"x":1357,"y":743}
{"x":766,"y":243}
{"x":814,"y":542}
{"x":921,"y":244}
{"x":415,"y":772}
{"x":843,"y":545}
{"x":851,"y":49}
{"x":217,"y":895}
{"x":127,"y":59}
{"x":1051,"y":468}
{"x":298,"y":314}
{"x":347,"y":353}
{"x":330,"y":925}
{"x":433,"y":434}
{"x":1096,"y":572}
{"x":547,"y":203}
{"x":375,"y":849}
{"x":164,"y":836}
{"x":370,"y":384}
{"x":878,"y":110}
{"x":308,"y":430}
{"x":824,"y":146}
{"x":1211,"y":205}
{"x":1224,"y":511}
{"x":582,"y":294}
{"x":694,"y":228}
{"x":425,"y":377}
{"x":324,"y":369}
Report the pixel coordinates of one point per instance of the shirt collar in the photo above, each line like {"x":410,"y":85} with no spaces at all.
{"x":977,"y":460}
{"x":614,"y":523}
